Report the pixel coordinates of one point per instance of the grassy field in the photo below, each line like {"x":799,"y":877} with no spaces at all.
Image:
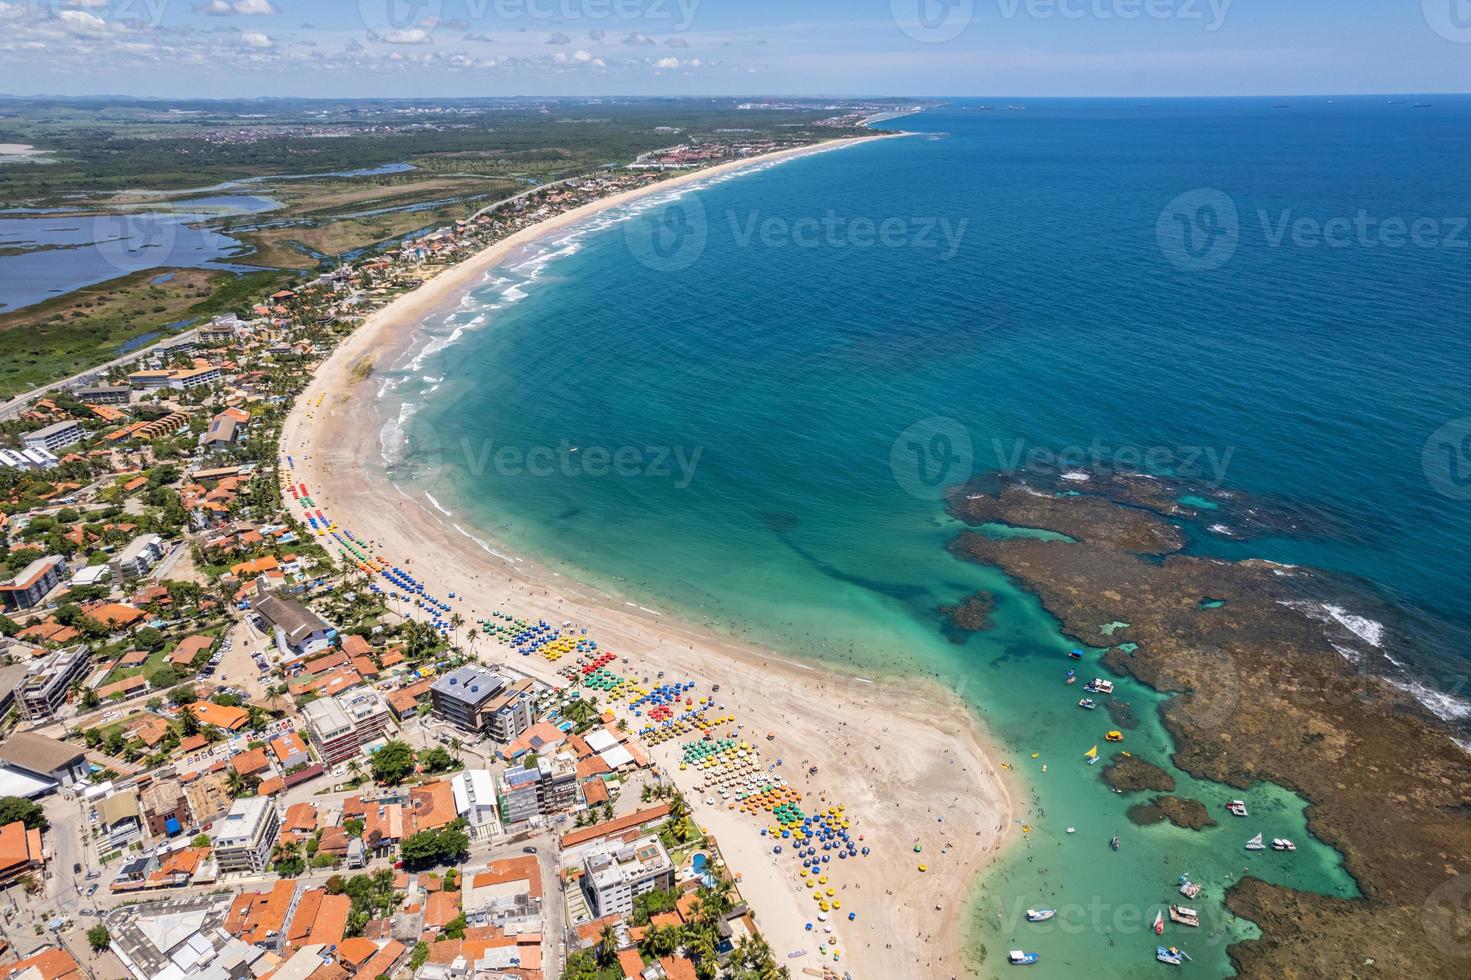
{"x":61,"y":336}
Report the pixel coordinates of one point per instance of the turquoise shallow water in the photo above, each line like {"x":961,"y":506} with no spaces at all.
{"x":766,"y":385}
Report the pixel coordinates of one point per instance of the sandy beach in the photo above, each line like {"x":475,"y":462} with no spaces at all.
{"x":904,"y":756}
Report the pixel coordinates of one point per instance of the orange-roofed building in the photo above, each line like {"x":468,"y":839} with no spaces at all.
{"x":49,"y":964}
{"x":124,"y":687}
{"x":219,"y":715}
{"x":20,"y":851}
{"x":355,"y":646}
{"x":381,"y":963}
{"x":433,"y":805}
{"x":441,"y":909}
{"x":260,"y":917}
{"x":383,"y":826}
{"x":255,"y":566}
{"x":114,"y":615}
{"x":189,"y":648}
{"x":272,"y":786}
{"x":251,"y":762}
{"x":355,"y":951}
{"x":300,"y":818}
{"x":193,"y":742}
{"x":631,"y":963}
{"x":290,"y":749}
{"x":677,"y":968}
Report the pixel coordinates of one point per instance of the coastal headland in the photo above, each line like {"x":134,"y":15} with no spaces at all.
{"x":905,"y":757}
{"x":1264,"y":694}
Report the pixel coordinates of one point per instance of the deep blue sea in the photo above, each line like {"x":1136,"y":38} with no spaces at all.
{"x":767,"y":382}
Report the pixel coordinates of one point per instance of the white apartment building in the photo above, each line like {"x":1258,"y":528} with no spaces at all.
{"x":244,"y":837}
{"x":618,"y":873}
{"x":56,"y":436}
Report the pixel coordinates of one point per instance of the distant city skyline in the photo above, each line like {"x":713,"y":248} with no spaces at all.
{"x":443,"y":48}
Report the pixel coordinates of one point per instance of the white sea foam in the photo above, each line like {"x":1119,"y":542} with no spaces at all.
{"x":486,"y":547}
{"x":1444,"y":706}
{"x":1077,"y":475}
{"x":437,"y":505}
{"x":1369,"y":630}
{"x":1224,"y":529}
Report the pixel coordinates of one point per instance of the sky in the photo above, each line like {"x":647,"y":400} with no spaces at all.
{"x":443,"y":48}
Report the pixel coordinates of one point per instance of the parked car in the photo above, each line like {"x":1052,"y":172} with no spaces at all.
{"x":92,"y":889}
{"x":528,"y":850}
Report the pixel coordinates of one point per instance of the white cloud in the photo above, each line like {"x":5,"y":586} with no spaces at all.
{"x":245,"y":8}
{"x":667,"y":63}
{"x":638,"y":40}
{"x":80,"y":20}
{"x":408,"y":35}
{"x":582,"y":56}
{"x":254,"y":39}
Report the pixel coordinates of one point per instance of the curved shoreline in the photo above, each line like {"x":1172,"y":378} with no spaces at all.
{"x":918,"y":743}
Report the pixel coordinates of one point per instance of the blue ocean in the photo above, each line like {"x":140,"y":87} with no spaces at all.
{"x":740,"y":404}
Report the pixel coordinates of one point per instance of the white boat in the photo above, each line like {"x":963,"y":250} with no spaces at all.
{"x":1185,"y":916}
{"x":1017,"y":958}
{"x":1237,"y":808}
{"x":1098,"y":686}
{"x":1159,"y":921}
{"x":1087,"y":704}
{"x":1189,"y":888}
{"x":1255,"y":844}
{"x":1283,"y":844}
{"x":1040,"y":915}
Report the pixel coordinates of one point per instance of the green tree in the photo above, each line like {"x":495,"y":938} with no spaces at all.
{"x":419,"y":957}
{"x":393,"y":763}
{"x":99,"y":938}
{"x":455,"y":928}
{"x":28,"y":812}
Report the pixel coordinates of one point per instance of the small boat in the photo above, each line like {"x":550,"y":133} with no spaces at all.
{"x":1087,"y":704}
{"x":1255,"y":844}
{"x":1091,"y":755}
{"x":1115,"y":842}
{"x":1188,"y":888}
{"x":1237,"y":808}
{"x":1170,"y":955}
{"x":1159,"y":921}
{"x":1040,"y":915}
{"x":1283,"y":844}
{"x":1072,"y":676}
{"x":1017,"y":958}
{"x":1075,"y":654}
{"x":1185,"y":916}
{"x":1114,"y":736}
{"x":1098,"y":686}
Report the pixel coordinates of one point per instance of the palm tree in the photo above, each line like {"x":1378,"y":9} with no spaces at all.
{"x":661,"y":941}
{"x":606,"y":950}
{"x":454,"y":747}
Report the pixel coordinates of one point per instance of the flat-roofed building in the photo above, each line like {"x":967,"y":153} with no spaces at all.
{"x":44,"y":690}
{"x":57,"y":435}
{"x":475,"y":802}
{"x":138,"y":556}
{"x":484,"y":702}
{"x":244,"y":838}
{"x":194,"y":377}
{"x":150,"y":379}
{"x":105,"y":395}
{"x":617,"y":874}
{"x":33,"y":583}
{"x":539,"y":787}
{"x":507,"y":890}
{"x":340,"y":726}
